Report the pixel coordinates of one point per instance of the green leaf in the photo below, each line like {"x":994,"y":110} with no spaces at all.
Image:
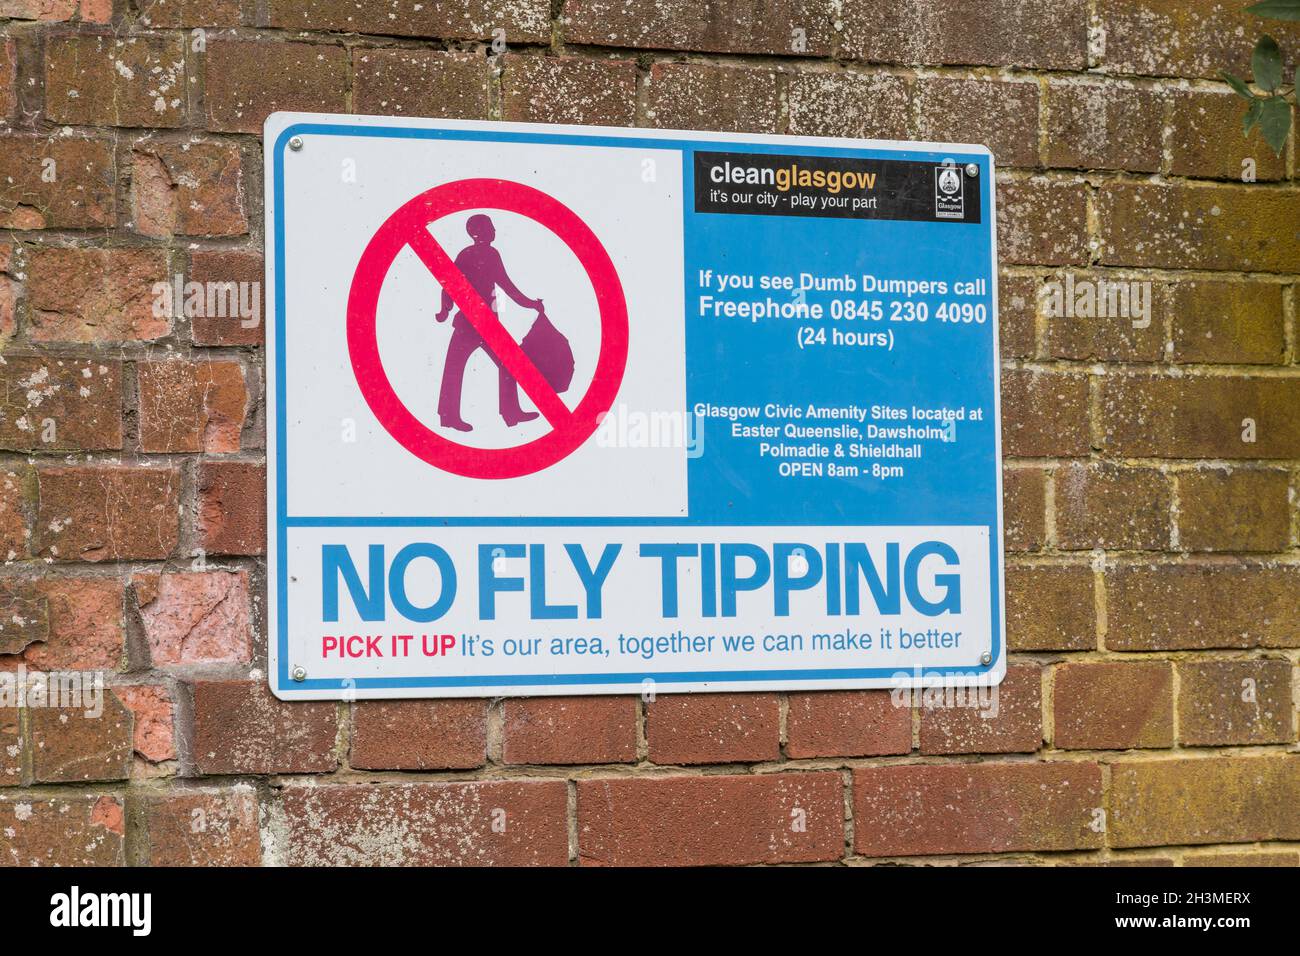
{"x":1277,"y":9}
{"x":1266,"y":62}
{"x":1275,"y":122}
{"x":1251,"y":119}
{"x":1238,"y":85}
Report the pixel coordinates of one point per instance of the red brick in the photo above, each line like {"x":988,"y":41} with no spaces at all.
{"x":1042,"y":222}
{"x":998,"y":114}
{"x":874,"y":106}
{"x":1199,"y":416}
{"x":61,"y":831}
{"x":1193,"y":38}
{"x":17,"y":495}
{"x":56,"y":182}
{"x":1118,"y":331}
{"x":421,"y":83}
{"x":115,"y":81}
{"x":1205,"y":138}
{"x":153,"y":714}
{"x":728,"y":26}
{"x":1051,"y":607}
{"x":241,"y":326}
{"x":713,"y":728}
{"x":107,"y":513}
{"x":1155,"y":607}
{"x":1218,"y":800}
{"x":1104,"y":126}
{"x":1114,"y":706}
{"x":569,"y":730}
{"x":711,"y":820}
{"x":1199,"y":227}
{"x":8,"y":78}
{"x":976,"y":808}
{"x":568,"y":90}
{"x":187,"y":189}
{"x":1028,"y":34}
{"x":1234,"y":322}
{"x":196,"y":618}
{"x":427,"y":824}
{"x":1108,"y":506}
{"x":419,"y":734}
{"x":1017,"y":316}
{"x":11,"y":748}
{"x":50,"y":404}
{"x":193,"y":13}
{"x":1044,"y":414}
{"x":1222,"y":703}
{"x":1234,"y":510}
{"x":232,"y":507}
{"x":522,"y":21}
{"x":1024,"y":508}
{"x":847,"y":723}
{"x":202,"y":828}
{"x":95,"y":295}
{"x":191,"y":406}
{"x":248,"y":80}
{"x":85,"y":626}
{"x":69,"y":745}
{"x":24,"y":616}
{"x":1011,"y":722}
{"x":704,"y":96}
{"x":240,"y":728}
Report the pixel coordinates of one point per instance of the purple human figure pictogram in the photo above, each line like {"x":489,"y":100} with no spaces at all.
{"x":481,"y":264}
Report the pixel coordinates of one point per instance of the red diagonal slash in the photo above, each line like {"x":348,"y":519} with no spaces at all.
{"x":500,"y":342}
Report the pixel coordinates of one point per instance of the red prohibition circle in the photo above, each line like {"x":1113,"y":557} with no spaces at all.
{"x":408,"y":227}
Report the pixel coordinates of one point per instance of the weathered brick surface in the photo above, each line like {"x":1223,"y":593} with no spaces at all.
{"x":11,"y":747}
{"x":1009,"y":720}
{"x":1047,"y":34}
{"x":52,"y":404}
{"x":1237,"y":510}
{"x":95,"y":295}
{"x":1235,"y":702}
{"x":195,"y":618}
{"x":420,"y":83}
{"x":82,"y":743}
{"x":520,"y":21}
{"x":56,"y":182}
{"x":569,"y":730}
{"x":722,"y":26}
{"x":240,"y":728}
{"x":203,"y":828}
{"x":1240,"y":323}
{"x":1051,"y":608}
{"x":61,"y":831}
{"x":713,"y":820}
{"x":976,"y":808}
{"x":1205,"y":139}
{"x":194,"y":13}
{"x":569,"y":90}
{"x":1248,"y":858}
{"x":848,"y":723}
{"x":1103,"y":506}
{"x":153,"y":714}
{"x":427,"y":824}
{"x":244,"y":325}
{"x":1200,"y":800}
{"x":232,"y":507}
{"x":1157,"y":607}
{"x":1104,"y":706}
{"x":1200,"y":416}
{"x":1001,"y":116}
{"x":107,"y":513}
{"x":191,"y":406}
{"x":190,"y":189}
{"x":713,"y":728}
{"x":419,"y":734}
{"x":1044,"y":414}
{"x":1104,"y":127}
{"x":1042,"y":222}
{"x":869,"y":106}
{"x":116,"y":81}
{"x":247,"y":81}
{"x":86,"y":630}
{"x":1024,"y":508}
{"x":691,"y":96}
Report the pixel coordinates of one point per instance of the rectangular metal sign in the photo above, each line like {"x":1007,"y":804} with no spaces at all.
{"x":575,"y":410}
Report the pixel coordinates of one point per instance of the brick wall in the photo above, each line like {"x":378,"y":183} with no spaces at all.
{"x":1154,"y":562}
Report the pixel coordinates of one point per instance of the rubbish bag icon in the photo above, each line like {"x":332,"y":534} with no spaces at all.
{"x":548,"y":349}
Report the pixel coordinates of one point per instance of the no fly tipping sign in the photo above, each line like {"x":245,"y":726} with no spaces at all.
{"x":576,"y":410}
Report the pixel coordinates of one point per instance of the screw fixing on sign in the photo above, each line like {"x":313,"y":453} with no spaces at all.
{"x":408,"y":227}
